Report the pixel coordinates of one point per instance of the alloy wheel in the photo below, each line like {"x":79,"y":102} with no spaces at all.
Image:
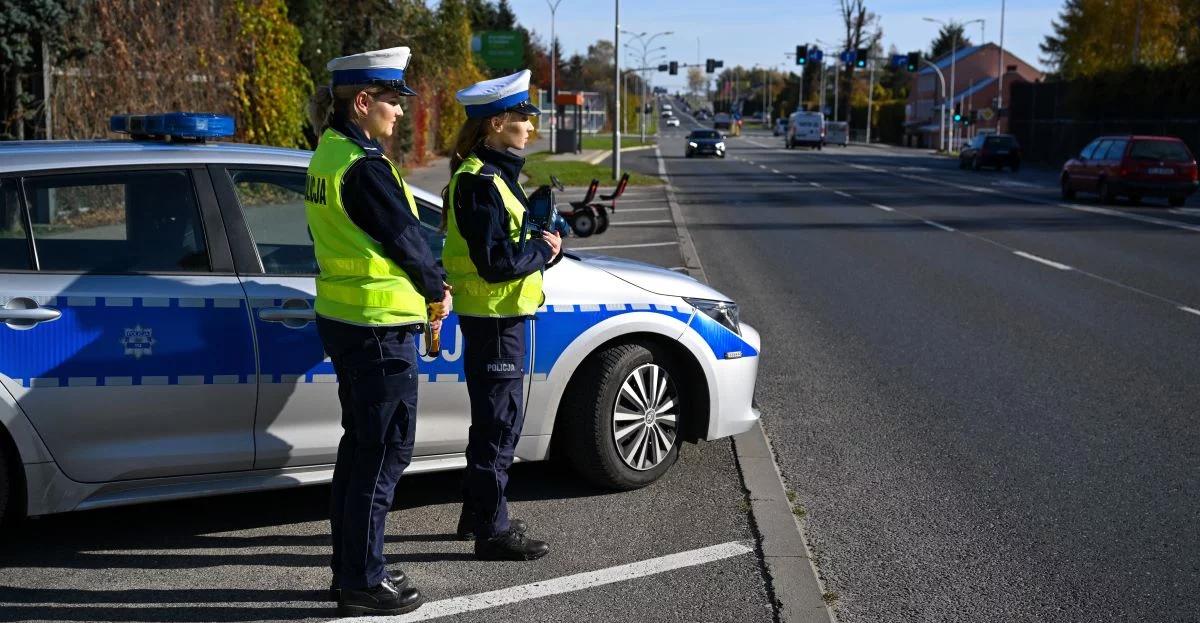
{"x":645,"y":418}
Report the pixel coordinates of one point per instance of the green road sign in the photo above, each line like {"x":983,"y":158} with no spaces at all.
{"x":500,"y":49}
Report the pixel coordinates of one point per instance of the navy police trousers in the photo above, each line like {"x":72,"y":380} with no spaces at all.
{"x":377,"y":386}
{"x":494,"y":360}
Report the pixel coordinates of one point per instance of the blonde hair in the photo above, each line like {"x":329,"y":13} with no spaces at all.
{"x":329,"y":100}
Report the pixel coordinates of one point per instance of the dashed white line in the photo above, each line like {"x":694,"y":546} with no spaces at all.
{"x":628,"y":223}
{"x":841,"y":194}
{"x":938,"y":225}
{"x":623,"y":246}
{"x":776,"y":171}
{"x":883,"y":207}
{"x":1042,"y":260}
{"x":1190,"y":310}
{"x":567,"y":584}
{"x":793,"y":177}
{"x":814,"y":184}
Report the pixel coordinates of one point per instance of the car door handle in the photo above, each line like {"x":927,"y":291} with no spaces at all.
{"x":282,"y":314}
{"x":294,"y":314}
{"x":24,"y":313}
{"x":41,"y":314}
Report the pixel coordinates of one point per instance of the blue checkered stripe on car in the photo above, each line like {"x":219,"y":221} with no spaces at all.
{"x":111,"y":341}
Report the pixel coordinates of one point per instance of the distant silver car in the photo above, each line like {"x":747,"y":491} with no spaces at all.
{"x":673,"y":122}
{"x":157,"y":339}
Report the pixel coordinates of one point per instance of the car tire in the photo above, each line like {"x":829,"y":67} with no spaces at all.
{"x":1067,"y":191}
{"x":1135,"y":199}
{"x":962,"y":164}
{"x":603,"y":449}
{"x":687,"y":154}
{"x":1106,"y":196}
{"x":1176,"y":201}
{"x":10,"y":508}
{"x":583,"y":222}
{"x":601,"y":220}
{"x":975,"y":164}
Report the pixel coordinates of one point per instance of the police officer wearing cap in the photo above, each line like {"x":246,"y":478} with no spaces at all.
{"x":497,"y":280}
{"x":378,"y":285}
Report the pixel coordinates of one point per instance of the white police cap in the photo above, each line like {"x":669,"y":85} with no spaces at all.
{"x":492,"y":97}
{"x":378,"y":67}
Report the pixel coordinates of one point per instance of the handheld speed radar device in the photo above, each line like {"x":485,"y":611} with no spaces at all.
{"x":542,"y":216}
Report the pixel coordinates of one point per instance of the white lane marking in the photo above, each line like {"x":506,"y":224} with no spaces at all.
{"x":814,"y":184}
{"x":762,"y":166}
{"x":883,"y":207}
{"x":628,"y":223}
{"x":567,"y":584}
{"x":1190,"y":310}
{"x":776,"y":171}
{"x":1042,"y":260}
{"x":624,"y":210}
{"x":841,"y":194}
{"x":938,"y":225}
{"x":1133,"y":217}
{"x":623,"y":246}
{"x":749,"y":162}
{"x":1184,"y":211}
{"x":792,"y":177}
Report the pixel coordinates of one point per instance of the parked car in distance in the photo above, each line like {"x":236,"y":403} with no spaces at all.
{"x":1133,"y":167}
{"x":990,"y":150}
{"x":722,"y":121}
{"x":837,"y":133}
{"x":705,"y":142}
{"x":805,"y":129}
{"x":672,"y":122}
{"x":780,"y":126}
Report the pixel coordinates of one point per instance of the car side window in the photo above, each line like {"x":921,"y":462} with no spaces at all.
{"x":273,"y":206}
{"x":1101,"y":149}
{"x":1116,"y":150}
{"x":14,"y":239}
{"x":1090,"y":149}
{"x":431,"y":224}
{"x":117,"y":222}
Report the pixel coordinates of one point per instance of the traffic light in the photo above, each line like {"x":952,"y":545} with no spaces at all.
{"x":958,"y":117}
{"x":718,"y":64}
{"x":709,"y":66}
{"x":801,"y":54}
{"x":664,"y":67}
{"x":914,"y":61}
{"x":860,"y":58}
{"x":673,"y":68}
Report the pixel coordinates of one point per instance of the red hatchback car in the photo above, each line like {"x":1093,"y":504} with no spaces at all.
{"x":1133,"y":167}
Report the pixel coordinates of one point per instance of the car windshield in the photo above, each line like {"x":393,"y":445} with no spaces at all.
{"x":1000,"y":141}
{"x":1172,"y":151}
{"x":704,"y":134}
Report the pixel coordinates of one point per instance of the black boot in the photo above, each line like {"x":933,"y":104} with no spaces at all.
{"x":511,"y":545}
{"x":397,"y":577}
{"x":466,"y":526}
{"x":384,"y":598}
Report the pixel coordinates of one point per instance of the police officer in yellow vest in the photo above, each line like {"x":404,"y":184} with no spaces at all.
{"x":378,"y":285}
{"x":497,"y":286}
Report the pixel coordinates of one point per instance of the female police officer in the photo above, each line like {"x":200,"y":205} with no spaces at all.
{"x":498,"y":285}
{"x":378,"y":284}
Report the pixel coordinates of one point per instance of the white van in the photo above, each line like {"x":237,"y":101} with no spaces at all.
{"x":805,"y":128}
{"x":837,"y":133}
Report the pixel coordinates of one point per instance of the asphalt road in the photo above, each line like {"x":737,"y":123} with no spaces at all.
{"x":986,"y":399}
{"x":263,"y":556}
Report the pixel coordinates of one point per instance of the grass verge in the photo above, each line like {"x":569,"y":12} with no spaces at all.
{"x":576,"y":173}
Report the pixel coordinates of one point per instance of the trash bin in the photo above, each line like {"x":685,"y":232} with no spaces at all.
{"x":566,"y":141}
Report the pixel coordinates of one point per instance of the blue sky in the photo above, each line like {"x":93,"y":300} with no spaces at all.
{"x":750,"y":32}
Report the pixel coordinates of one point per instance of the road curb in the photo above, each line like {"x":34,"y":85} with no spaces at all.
{"x":604,"y":155}
{"x":792,"y":578}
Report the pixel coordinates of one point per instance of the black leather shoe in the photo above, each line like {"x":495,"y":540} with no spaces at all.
{"x":397,"y":577}
{"x":512,"y":545}
{"x":466,"y":532}
{"x":383,"y":599}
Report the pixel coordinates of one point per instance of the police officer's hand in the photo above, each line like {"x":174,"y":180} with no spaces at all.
{"x":554,"y":240}
{"x":443,"y":308}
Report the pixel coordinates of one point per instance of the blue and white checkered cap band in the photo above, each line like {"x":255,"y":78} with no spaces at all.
{"x":476,"y":111}
{"x":365,"y":76}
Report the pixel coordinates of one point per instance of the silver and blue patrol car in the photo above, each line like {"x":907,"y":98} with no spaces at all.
{"x":157,"y":337}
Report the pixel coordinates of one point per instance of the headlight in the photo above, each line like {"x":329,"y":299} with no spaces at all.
{"x":721,"y":145}
{"x":724,"y":312}
{"x":692,"y":144}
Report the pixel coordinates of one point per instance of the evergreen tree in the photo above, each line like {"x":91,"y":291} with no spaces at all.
{"x":951,"y":36}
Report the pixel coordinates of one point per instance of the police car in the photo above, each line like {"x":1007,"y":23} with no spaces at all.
{"x":157,"y":335}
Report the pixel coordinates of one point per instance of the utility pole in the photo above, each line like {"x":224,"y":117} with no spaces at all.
{"x":553,"y":66}
{"x":1000,"y":71}
{"x":870,"y":99}
{"x":942,"y":110}
{"x":837,"y":77}
{"x":616,"y":124}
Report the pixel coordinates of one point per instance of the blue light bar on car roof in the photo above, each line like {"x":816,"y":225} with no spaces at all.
{"x":197,"y":126}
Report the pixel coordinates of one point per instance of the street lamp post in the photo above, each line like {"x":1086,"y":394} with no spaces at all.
{"x":553,"y":4}
{"x":1000,"y":71}
{"x":645,"y":43}
{"x":616,"y":159}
